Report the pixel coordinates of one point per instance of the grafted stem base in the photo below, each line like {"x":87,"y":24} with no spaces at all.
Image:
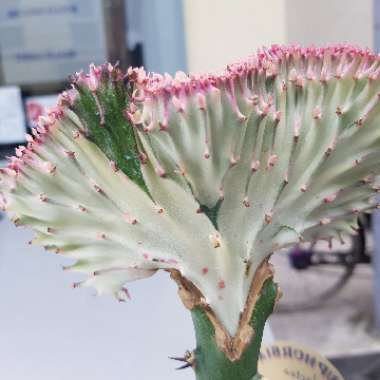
{"x":211,"y":363}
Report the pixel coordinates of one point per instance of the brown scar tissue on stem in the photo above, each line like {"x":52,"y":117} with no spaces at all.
{"x":279,"y":295}
{"x":232,"y":347}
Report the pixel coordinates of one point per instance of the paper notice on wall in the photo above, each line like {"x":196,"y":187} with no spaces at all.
{"x":47,"y":40}
{"x":12,"y":118}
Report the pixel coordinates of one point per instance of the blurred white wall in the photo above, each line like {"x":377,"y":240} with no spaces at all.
{"x":221,"y":31}
{"x":330,"y":21}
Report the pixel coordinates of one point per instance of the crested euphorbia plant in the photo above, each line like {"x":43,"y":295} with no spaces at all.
{"x":203,"y":176}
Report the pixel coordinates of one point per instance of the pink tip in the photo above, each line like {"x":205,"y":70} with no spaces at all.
{"x":324,"y":221}
{"x":221,"y":284}
{"x":201,"y":101}
{"x":143,"y":158}
{"x":178,"y":105}
{"x":330,"y":198}
{"x":114,"y":166}
{"x":246,"y":202}
{"x":69,"y":154}
{"x":160,"y":171}
{"x":272,"y":161}
{"x":317,"y":114}
{"x":255,"y":165}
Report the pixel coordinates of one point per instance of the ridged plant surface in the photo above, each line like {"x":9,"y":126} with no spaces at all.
{"x":205,"y":174}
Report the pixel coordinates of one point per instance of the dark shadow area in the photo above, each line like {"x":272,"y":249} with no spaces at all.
{"x":360,"y":367}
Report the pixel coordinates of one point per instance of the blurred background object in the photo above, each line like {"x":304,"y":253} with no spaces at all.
{"x":233,"y":30}
{"x":43,"y":42}
{"x":46,"y":331}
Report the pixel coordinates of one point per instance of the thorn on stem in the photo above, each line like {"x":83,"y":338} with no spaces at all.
{"x":187,"y":365}
{"x":188,"y":359}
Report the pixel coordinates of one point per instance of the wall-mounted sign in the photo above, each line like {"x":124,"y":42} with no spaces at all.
{"x":290,"y":361}
{"x":12,"y":118}
{"x":44,"y":41}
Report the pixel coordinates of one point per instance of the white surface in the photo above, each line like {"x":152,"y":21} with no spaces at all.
{"x":330,"y":21}
{"x":12,"y":119}
{"x":49,"y":331}
{"x":219,"y":32}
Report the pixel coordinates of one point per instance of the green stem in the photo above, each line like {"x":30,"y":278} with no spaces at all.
{"x":211,"y":363}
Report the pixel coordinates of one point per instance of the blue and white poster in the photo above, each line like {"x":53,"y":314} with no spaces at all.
{"x":47,"y":40}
